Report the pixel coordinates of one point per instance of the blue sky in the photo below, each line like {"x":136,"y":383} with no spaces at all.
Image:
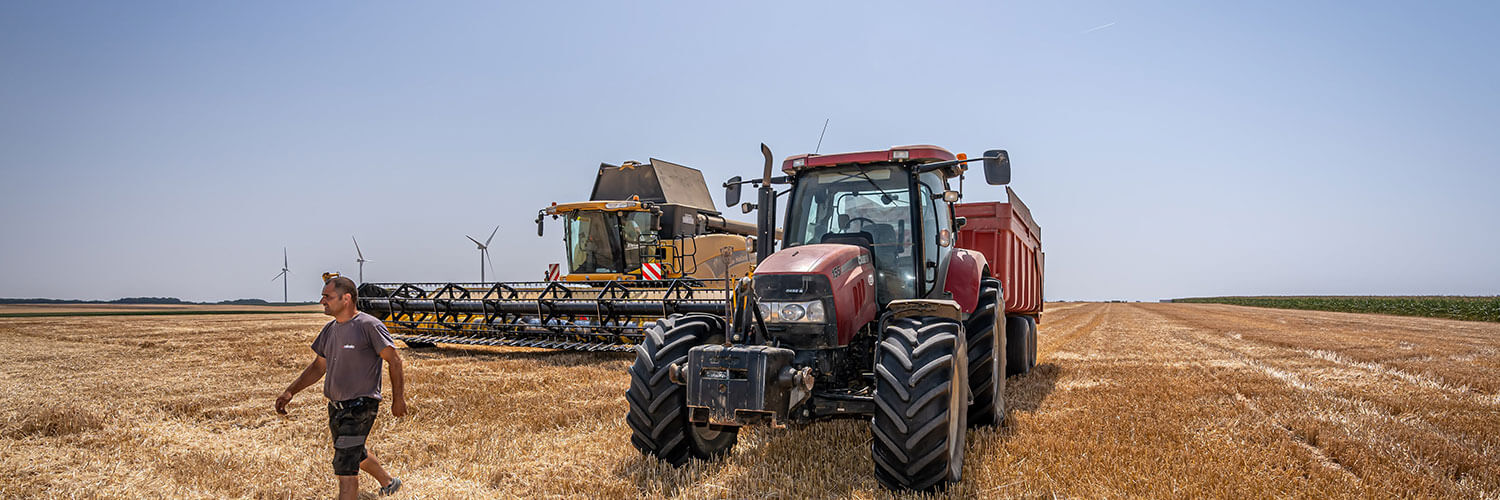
{"x":1168,"y":149}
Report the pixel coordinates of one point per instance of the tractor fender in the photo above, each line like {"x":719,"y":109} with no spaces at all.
{"x":965,"y":273}
{"x":907,"y":308}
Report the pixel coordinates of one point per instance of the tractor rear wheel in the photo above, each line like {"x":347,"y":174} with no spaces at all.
{"x":1016,"y":329}
{"x":658,"y":415}
{"x":921,"y":403}
{"x":985,"y":331}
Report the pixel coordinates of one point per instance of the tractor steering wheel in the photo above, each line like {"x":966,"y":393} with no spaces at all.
{"x":863,"y":222}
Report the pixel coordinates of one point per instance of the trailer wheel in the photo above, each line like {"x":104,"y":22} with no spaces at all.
{"x":1030,"y":343}
{"x":1016,"y":329}
{"x":658,"y":408}
{"x":985,"y":331}
{"x":920,"y":399}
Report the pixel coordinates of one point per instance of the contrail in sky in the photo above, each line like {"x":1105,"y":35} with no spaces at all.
{"x":1096,"y":28}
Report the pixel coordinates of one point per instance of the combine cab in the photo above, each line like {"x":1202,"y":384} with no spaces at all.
{"x":648,"y":244}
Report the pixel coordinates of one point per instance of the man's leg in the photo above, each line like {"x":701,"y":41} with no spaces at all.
{"x":372,"y":465}
{"x":348,"y":487}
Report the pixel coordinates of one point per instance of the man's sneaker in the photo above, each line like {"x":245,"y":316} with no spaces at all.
{"x":390,"y":489}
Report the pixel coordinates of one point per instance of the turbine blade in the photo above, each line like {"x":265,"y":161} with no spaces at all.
{"x":491,"y":261}
{"x":492,"y":236}
{"x":476,"y":242}
{"x":356,"y":247}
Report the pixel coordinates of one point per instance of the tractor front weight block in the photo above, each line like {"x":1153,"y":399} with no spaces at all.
{"x":743,"y":385}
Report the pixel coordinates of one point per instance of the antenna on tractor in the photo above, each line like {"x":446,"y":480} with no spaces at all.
{"x":820,"y":136}
{"x":284,"y":272}
{"x":361,"y":260}
{"x":484,"y":252}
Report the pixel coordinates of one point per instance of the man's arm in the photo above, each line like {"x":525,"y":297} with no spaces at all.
{"x":398,"y":381}
{"x":314,"y":371}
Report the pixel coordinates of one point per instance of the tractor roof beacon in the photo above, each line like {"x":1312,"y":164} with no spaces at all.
{"x":869,"y":310}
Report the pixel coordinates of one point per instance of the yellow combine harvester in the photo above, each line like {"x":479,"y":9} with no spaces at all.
{"x":646,"y":245}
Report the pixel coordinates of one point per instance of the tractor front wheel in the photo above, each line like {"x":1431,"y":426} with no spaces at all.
{"x":921,"y":398}
{"x":658,"y":415}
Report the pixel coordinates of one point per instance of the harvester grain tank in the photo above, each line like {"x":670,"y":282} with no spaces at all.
{"x":646,"y":245}
{"x":872,"y":309}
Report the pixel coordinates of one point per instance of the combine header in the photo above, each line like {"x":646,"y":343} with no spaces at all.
{"x":647,"y":244}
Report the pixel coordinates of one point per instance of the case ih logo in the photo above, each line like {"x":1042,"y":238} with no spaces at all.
{"x":651,"y":271}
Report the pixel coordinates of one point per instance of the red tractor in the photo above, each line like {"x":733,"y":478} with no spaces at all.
{"x":870,"y":310}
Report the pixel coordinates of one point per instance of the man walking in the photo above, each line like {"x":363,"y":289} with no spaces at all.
{"x":349,"y":350}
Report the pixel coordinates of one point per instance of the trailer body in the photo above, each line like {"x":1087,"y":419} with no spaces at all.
{"x":1012,"y":243}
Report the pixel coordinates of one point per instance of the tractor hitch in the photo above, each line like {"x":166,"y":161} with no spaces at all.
{"x":743,"y":385}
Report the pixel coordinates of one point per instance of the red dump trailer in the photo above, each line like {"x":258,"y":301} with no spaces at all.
{"x":1012,"y":242}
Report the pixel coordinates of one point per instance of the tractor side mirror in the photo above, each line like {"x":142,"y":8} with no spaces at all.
{"x":950,"y":196}
{"x":539,"y":225}
{"x":996,"y":167}
{"x":732,"y":191}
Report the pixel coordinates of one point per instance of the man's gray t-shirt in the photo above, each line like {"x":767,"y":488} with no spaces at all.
{"x":352,"y":350}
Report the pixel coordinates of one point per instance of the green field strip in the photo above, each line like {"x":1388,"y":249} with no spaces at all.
{"x":1461,"y":308}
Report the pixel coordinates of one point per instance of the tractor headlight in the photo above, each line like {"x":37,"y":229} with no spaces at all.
{"x":793,"y":312}
{"x":811,"y":311}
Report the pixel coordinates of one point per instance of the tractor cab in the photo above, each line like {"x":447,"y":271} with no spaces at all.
{"x":839,"y":199}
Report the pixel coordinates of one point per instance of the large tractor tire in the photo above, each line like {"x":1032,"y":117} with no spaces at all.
{"x":1016,"y":329}
{"x":985,"y":331}
{"x":921,"y":399}
{"x":658,"y":416}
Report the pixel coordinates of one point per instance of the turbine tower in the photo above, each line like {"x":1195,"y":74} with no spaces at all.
{"x":361,"y":260}
{"x":284,"y":272}
{"x":484,"y":251}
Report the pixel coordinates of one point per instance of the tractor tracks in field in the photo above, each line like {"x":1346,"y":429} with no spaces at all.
{"x":1369,"y":419}
{"x":1353,"y":336}
{"x":1062,"y":326}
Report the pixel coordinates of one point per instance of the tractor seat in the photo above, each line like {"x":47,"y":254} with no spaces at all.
{"x":886,"y":246}
{"x":858,"y":238}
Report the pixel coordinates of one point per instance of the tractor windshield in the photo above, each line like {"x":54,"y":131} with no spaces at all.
{"x":602,"y":242}
{"x":872,"y":201}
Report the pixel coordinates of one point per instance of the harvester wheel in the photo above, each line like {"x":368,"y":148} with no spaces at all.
{"x":658,"y":416}
{"x":920,"y":403}
{"x":1016,"y":330}
{"x":986,"y":335}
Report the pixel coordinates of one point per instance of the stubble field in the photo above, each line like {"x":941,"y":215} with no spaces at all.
{"x":1127,"y":400}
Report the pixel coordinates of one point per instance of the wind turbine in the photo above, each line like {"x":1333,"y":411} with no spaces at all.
{"x":484,"y":251}
{"x":284,"y":272}
{"x":361,"y":260}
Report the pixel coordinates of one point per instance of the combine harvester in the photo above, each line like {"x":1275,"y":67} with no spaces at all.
{"x":889,"y":302}
{"x":647,"y":244}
